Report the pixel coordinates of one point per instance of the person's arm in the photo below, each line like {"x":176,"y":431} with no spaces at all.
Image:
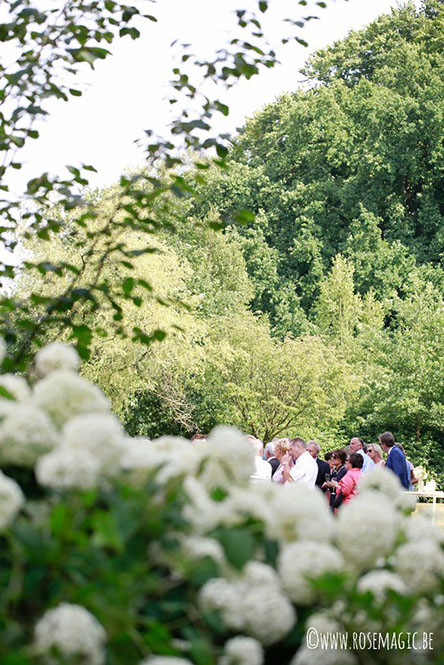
{"x":286,"y":468}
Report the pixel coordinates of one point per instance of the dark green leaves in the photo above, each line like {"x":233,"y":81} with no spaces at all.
{"x":239,"y":545}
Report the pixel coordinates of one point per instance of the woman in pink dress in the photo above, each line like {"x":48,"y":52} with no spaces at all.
{"x":347,"y":487}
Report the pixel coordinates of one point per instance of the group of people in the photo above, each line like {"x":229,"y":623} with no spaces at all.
{"x":338,"y":474}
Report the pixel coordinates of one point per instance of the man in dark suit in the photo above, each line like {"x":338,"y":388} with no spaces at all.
{"x":271,"y":459}
{"x":323,"y":467}
{"x":396,"y":460}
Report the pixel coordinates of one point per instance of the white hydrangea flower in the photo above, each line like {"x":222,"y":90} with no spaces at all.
{"x":172,"y":456}
{"x":101,"y":435}
{"x":73,"y":632}
{"x":11,"y":500}
{"x":226,"y":459}
{"x":382,"y":480}
{"x":252,"y":603}
{"x":3,"y":349}
{"x":201,"y":511}
{"x":64,"y":395}
{"x":428,"y":618}
{"x":379,"y":582}
{"x":250,"y":501}
{"x":196,"y":547}
{"x":64,"y":468}
{"x":306,"y":656}
{"x":56,"y":356}
{"x":299,"y":513}
{"x":366,"y":529}
{"x":422,"y":528}
{"x":242,"y":651}
{"x":165,"y":660}
{"x":299,"y":562}
{"x":320,"y":626}
{"x":223,"y":595}
{"x":258,"y":573}
{"x":16,"y":386}
{"x":26,"y":432}
{"x":420,"y":564}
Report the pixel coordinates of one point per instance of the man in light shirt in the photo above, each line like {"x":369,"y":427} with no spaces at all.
{"x":305,"y":469}
{"x":263,"y":470}
{"x":357,"y":446}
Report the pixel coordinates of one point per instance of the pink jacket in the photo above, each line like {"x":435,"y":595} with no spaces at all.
{"x":348,"y":484}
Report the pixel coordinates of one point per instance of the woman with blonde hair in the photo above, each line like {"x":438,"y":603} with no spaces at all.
{"x":374,"y":451}
{"x":281,"y":448}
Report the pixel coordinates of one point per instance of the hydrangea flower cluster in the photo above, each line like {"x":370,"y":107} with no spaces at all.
{"x":70,"y":631}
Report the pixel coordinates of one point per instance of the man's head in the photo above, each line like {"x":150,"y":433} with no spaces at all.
{"x":387,"y":440}
{"x":269,"y":450}
{"x":297,"y":447}
{"x":313,"y":448}
{"x":356,"y":443}
{"x":257,"y":445}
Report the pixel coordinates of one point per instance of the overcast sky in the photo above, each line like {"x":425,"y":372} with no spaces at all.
{"x":126,"y":94}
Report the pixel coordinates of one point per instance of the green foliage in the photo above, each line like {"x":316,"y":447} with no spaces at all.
{"x":52,"y":46}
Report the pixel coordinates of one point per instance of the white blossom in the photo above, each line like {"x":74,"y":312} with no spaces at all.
{"x":382,"y":480}
{"x":253,"y":603}
{"x":420,"y":564}
{"x":254,"y":500}
{"x":11,"y":500}
{"x":73,"y":632}
{"x":201,"y":511}
{"x":3,"y":349}
{"x":299,"y":513}
{"x":56,"y":356}
{"x":422,"y":528}
{"x":16,"y":386}
{"x":196,"y":547}
{"x":226,"y":459}
{"x":242,"y":650}
{"x":300,"y":562}
{"x":64,"y":468}
{"x":26,"y":432}
{"x":172,"y":456}
{"x":379,"y":582}
{"x":101,"y":435}
{"x":64,"y":395}
{"x":306,"y":656}
{"x":314,"y":651}
{"x":367,"y":529}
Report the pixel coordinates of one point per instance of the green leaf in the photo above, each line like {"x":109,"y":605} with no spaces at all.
{"x":106,"y":532}
{"x":244,"y":216}
{"x":238,"y":545}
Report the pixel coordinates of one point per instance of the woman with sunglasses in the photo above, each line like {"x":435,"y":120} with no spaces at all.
{"x":337,"y":461}
{"x":374,"y":451}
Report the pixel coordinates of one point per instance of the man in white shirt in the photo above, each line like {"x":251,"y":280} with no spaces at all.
{"x":263,"y":470}
{"x":305,"y":469}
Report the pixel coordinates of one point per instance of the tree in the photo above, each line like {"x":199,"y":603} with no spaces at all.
{"x":348,"y":164}
{"x":52,"y":47}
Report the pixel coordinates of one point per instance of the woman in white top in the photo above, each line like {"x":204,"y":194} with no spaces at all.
{"x":281,"y":448}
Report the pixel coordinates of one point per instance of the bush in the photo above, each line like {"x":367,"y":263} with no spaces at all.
{"x":119,"y":550}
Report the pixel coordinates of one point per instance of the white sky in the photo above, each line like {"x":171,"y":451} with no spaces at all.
{"x":125,"y":94}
